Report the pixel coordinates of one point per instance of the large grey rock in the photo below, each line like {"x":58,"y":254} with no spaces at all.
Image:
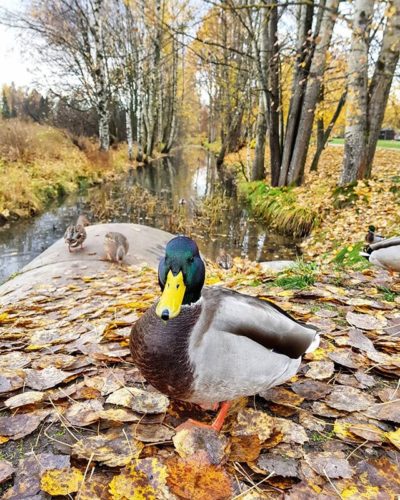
{"x":277,"y":266}
{"x":146,"y":245}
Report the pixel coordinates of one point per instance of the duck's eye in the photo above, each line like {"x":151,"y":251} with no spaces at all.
{"x":191,"y":260}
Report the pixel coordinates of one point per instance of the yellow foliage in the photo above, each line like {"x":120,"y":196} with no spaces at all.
{"x":61,"y":481}
{"x":394,"y":437}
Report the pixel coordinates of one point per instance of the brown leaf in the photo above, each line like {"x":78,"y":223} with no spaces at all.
{"x":20,"y":425}
{"x":385,"y":411}
{"x":311,"y":389}
{"x":306,"y":491}
{"x":153,"y":433}
{"x":367,"y":431}
{"x":6,"y":471}
{"x":349,"y":399}
{"x":55,"y":360}
{"x":45,"y":379}
{"x":95,"y":488}
{"x":277,"y":465}
{"x":329,"y":464}
{"x":365,"y":380}
{"x":14,"y":360}
{"x":143,"y":479}
{"x":324,"y":410}
{"x":85,"y":413}
{"x":114,"y":448}
{"x":292,"y":432}
{"x":208,"y":443}
{"x":346,"y":357}
{"x":194,"y":480}
{"x":245,"y":448}
{"x":139,"y":400}
{"x":365,"y":321}
{"x":110,"y":381}
{"x":360,"y":341}
{"x":29,"y":471}
{"x":25,"y":398}
{"x":282,"y":396}
{"x":311,"y":423}
{"x":320,"y":370}
{"x":255,"y":422}
{"x":11,"y":380}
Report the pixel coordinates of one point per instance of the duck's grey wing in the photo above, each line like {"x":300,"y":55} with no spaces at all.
{"x":389,"y":242}
{"x":260,"y":321}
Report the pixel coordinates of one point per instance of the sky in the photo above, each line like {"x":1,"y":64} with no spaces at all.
{"x":14,"y":67}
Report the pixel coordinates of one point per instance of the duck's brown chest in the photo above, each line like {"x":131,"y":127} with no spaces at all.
{"x":160,"y":349}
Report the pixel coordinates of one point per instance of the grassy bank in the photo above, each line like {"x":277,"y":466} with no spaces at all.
{"x":40,"y":163}
{"x":381,"y":143}
{"x":334,"y":217}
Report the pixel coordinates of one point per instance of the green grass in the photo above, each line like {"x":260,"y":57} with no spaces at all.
{"x":298,"y":277}
{"x":279,"y":208}
{"x":387,"y":294}
{"x":381,"y":143}
{"x":349,"y":256}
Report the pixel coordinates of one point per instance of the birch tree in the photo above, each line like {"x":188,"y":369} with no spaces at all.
{"x":354,"y":162}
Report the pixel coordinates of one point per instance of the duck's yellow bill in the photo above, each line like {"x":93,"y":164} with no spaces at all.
{"x":170,"y":303}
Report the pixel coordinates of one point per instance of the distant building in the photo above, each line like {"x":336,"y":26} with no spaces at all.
{"x":387,"y":134}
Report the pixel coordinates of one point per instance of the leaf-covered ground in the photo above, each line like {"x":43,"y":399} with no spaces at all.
{"x":78,"y":420}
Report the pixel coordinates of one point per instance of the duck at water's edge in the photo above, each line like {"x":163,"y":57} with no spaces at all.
{"x":75,"y":234}
{"x":212,"y":345}
{"x":384,"y":254}
{"x":116,"y":246}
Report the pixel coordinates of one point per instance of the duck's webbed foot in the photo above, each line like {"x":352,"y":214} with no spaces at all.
{"x":216,"y":425}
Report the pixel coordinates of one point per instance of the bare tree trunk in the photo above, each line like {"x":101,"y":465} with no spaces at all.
{"x":139,"y":119}
{"x":129,"y":136}
{"x":382,"y":80}
{"x":261,"y":55}
{"x":354,"y":161}
{"x":318,"y":64}
{"x":305,"y":16}
{"x":323,"y":138}
{"x":274,"y":96}
{"x":101,"y":78}
{"x":258,"y":172}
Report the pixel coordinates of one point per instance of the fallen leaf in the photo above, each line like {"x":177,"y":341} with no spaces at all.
{"x":6,"y":471}
{"x":360,"y":341}
{"x":14,"y":360}
{"x":349,"y":399}
{"x":143,"y":479}
{"x":29,"y":471}
{"x":25,"y":398}
{"x":394,"y":437}
{"x":195,"y":440}
{"x":255,"y":422}
{"x":11,"y":380}
{"x":139,"y":400}
{"x":46,"y":378}
{"x":153,"y":433}
{"x":282,"y":396}
{"x":114,"y":448}
{"x":277,"y":465}
{"x":320,"y":370}
{"x":194,"y":480}
{"x":61,"y":481}
{"x":329,"y":464}
{"x":365,"y":321}
{"x":20,"y":425}
{"x":311,"y":389}
{"x":292,"y":432}
{"x":245,"y":448}
{"x":346,"y":357}
{"x":85,"y":413}
{"x":55,"y":360}
{"x":95,"y":488}
{"x":385,"y":411}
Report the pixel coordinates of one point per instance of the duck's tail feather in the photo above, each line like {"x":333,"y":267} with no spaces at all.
{"x":314,"y":344}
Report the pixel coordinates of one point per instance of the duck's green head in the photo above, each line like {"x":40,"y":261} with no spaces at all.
{"x":371,"y":229}
{"x":181,"y":275}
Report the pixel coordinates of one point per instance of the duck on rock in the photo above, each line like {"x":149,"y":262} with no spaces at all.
{"x":208,"y":345}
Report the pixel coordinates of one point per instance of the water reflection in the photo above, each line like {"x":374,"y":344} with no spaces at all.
{"x":190,"y":175}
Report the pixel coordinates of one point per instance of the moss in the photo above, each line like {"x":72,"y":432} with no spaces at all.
{"x":279,"y":208}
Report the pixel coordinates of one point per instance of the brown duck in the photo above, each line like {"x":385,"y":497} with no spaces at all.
{"x":212,"y":345}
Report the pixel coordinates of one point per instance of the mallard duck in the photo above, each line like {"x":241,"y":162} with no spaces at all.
{"x":211,"y":345}
{"x":384,"y":254}
{"x":116,"y":246}
{"x":224,"y":260}
{"x":372,"y":237}
{"x":75,"y":234}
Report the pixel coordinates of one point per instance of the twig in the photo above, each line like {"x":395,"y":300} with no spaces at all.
{"x":333,"y":486}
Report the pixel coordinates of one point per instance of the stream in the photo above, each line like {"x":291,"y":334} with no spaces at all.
{"x":182,"y":194}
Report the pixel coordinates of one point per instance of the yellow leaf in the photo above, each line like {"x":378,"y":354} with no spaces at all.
{"x":394,"y":437}
{"x":61,"y":481}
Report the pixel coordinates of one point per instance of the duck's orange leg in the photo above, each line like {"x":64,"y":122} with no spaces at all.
{"x":218,"y":421}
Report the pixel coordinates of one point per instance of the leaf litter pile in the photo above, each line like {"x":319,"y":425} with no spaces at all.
{"x":78,"y":420}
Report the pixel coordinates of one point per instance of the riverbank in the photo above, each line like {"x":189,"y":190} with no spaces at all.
{"x":77,"y":416}
{"x":38,"y":164}
{"x":332,"y":216}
